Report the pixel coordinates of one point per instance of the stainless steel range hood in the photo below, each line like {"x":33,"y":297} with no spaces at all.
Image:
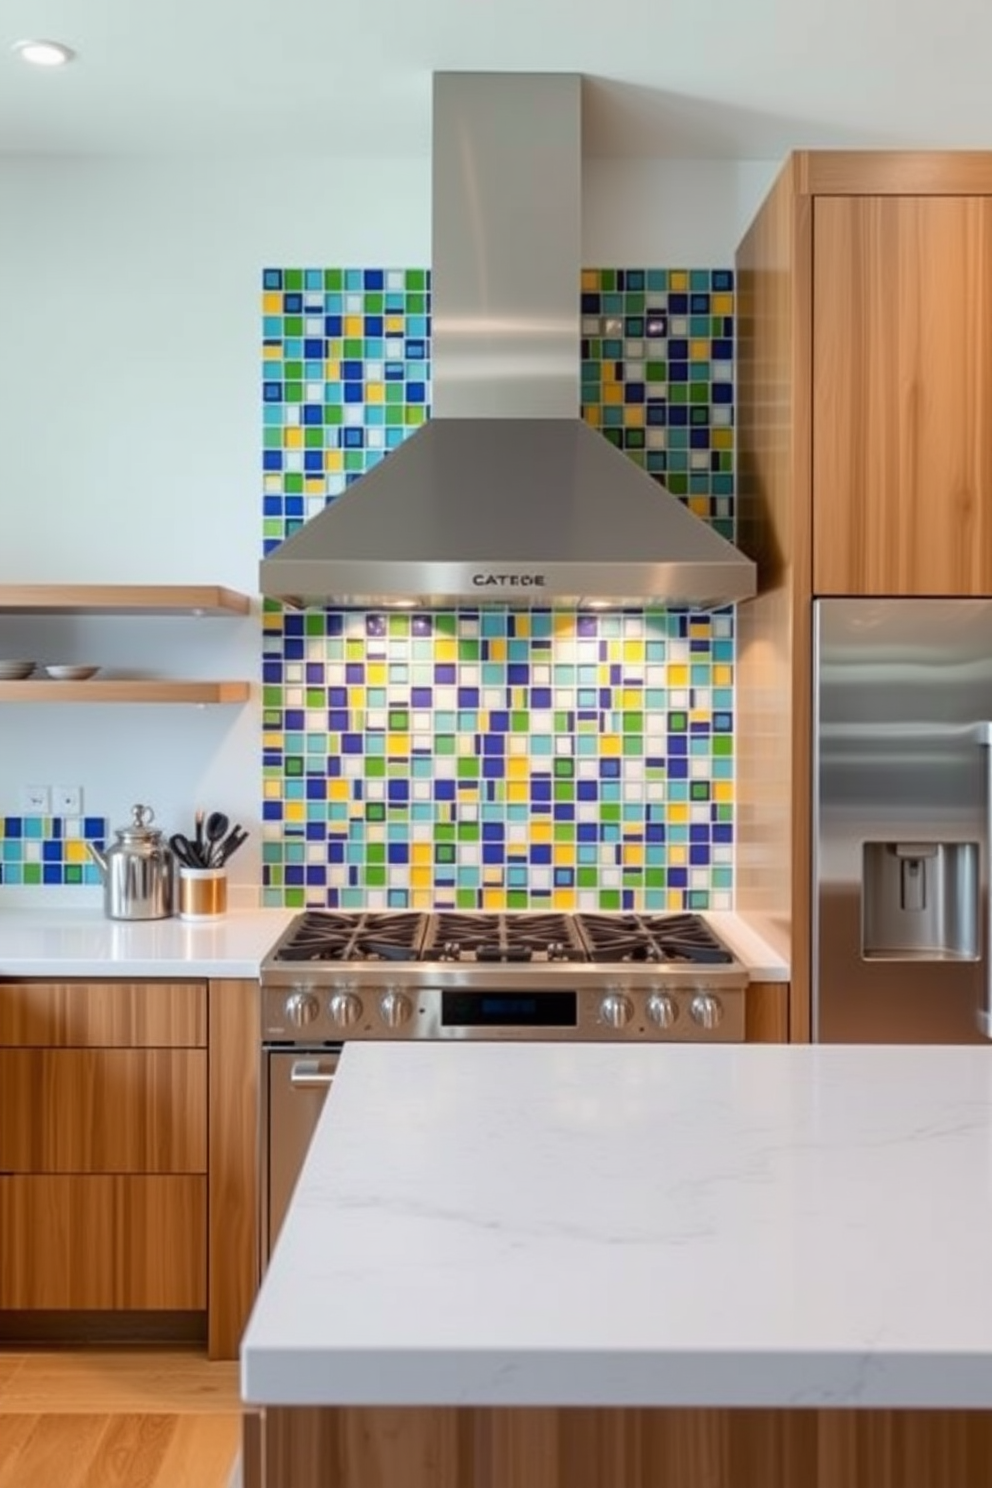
{"x":505,"y":495}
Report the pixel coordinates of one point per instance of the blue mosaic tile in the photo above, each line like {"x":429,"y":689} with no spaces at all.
{"x":50,"y":850}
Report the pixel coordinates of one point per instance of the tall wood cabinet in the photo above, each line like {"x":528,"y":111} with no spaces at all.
{"x":864,"y":373}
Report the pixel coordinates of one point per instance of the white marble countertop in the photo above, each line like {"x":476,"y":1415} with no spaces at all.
{"x":68,"y":941}
{"x":84,"y":943}
{"x":602,"y":1225}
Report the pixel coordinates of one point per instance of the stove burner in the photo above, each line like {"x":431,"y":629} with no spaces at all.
{"x":520,"y":952}
{"x":661,"y":938}
{"x":495,"y":937}
{"x":322,"y":935}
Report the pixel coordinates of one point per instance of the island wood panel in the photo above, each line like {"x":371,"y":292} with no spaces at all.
{"x":625,"y":1448}
{"x":766,"y":1013}
{"x":103,"y":1110}
{"x":233,"y":1160}
{"x":107,"y":1014}
{"x":73,"y":1242}
{"x":902,"y":382}
{"x":773,"y":672}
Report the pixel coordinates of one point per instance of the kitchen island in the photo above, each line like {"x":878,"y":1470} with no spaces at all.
{"x":587,"y":1266}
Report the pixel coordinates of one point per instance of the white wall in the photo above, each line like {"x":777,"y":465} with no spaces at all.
{"x":669,"y":213}
{"x":129,"y":399}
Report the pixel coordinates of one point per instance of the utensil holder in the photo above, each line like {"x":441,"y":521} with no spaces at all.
{"x":202,"y":893}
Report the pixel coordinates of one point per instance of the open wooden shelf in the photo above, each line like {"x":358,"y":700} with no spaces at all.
{"x":124,"y":690}
{"x":122,"y":599}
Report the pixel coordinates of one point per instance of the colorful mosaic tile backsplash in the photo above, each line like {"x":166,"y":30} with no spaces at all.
{"x":50,"y":849}
{"x":496,"y":759}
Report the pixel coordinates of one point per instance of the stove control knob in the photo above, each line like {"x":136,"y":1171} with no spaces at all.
{"x":662,"y":1009}
{"x":346,"y":1009}
{"x":616,"y":1010}
{"x":302,"y":1008}
{"x":395,"y":1008}
{"x":707,"y":1010}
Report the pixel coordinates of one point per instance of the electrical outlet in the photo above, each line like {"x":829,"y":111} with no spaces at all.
{"x":67,"y":800}
{"x":36,"y":800}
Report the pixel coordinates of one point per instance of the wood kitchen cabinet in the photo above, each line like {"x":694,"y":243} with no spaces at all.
{"x":902,"y":383}
{"x":766,"y":1015}
{"x":128,"y":1154}
{"x":103,"y":1146}
{"x":863,"y":371}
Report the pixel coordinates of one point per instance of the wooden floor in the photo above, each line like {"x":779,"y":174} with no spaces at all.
{"x":127,"y":1418}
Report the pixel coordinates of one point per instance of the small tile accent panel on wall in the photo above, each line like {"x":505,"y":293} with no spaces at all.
{"x":50,"y":850}
{"x":493,"y":758}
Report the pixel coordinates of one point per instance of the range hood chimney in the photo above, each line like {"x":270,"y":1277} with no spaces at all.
{"x":505,"y":495}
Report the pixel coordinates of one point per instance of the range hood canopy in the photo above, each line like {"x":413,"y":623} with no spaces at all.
{"x":505,"y":496}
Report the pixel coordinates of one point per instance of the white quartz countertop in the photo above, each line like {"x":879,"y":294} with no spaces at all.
{"x":83,"y":942}
{"x":512,"y":1224}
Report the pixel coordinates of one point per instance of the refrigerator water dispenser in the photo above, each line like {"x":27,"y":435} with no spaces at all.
{"x":919,"y":901}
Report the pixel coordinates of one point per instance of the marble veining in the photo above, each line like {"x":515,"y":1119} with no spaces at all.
{"x":592,"y":1224}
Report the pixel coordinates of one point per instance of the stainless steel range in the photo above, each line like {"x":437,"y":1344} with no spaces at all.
{"x":515,"y":976}
{"x":332,"y":977}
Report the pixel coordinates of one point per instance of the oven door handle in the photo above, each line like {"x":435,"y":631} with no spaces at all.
{"x":305,"y":1074}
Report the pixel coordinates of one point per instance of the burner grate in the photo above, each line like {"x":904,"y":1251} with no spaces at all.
{"x":660,"y":938}
{"x":323,"y":935}
{"x":496,"y":937}
{"x":686,"y":937}
{"x":524,"y":936}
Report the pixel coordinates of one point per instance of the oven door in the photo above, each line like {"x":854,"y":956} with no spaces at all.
{"x":296,"y":1086}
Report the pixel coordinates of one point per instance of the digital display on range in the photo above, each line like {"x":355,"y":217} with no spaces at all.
{"x":509,"y":1009}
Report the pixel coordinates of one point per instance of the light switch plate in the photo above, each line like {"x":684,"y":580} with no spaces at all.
{"x":67,"y":800}
{"x":36,"y":800}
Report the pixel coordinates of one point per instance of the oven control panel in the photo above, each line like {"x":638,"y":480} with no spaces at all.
{"x":689,"y":1012}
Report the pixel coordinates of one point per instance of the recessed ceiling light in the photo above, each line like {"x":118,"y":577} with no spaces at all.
{"x":44,"y":53}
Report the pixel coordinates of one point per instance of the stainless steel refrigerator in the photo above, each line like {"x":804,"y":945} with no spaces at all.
{"x":903,"y":713}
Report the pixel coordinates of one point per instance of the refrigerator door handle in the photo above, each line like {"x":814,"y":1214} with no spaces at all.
{"x":984,"y":734}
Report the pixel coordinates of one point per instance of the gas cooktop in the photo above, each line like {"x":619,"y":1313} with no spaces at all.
{"x":535,"y":939}
{"x":447,"y":974}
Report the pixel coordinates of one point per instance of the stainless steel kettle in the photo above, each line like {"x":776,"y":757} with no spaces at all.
{"x":138,"y":871}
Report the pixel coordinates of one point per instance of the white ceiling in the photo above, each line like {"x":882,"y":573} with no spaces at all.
{"x":732,"y":79}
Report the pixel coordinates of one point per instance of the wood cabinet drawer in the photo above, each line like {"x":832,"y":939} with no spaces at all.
{"x":103,"y":1110}
{"x":110,"y":1014}
{"x":103,"y":1242}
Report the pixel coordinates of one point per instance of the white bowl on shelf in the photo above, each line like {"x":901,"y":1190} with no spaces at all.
{"x":63,"y":672}
{"x":15,"y":671}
